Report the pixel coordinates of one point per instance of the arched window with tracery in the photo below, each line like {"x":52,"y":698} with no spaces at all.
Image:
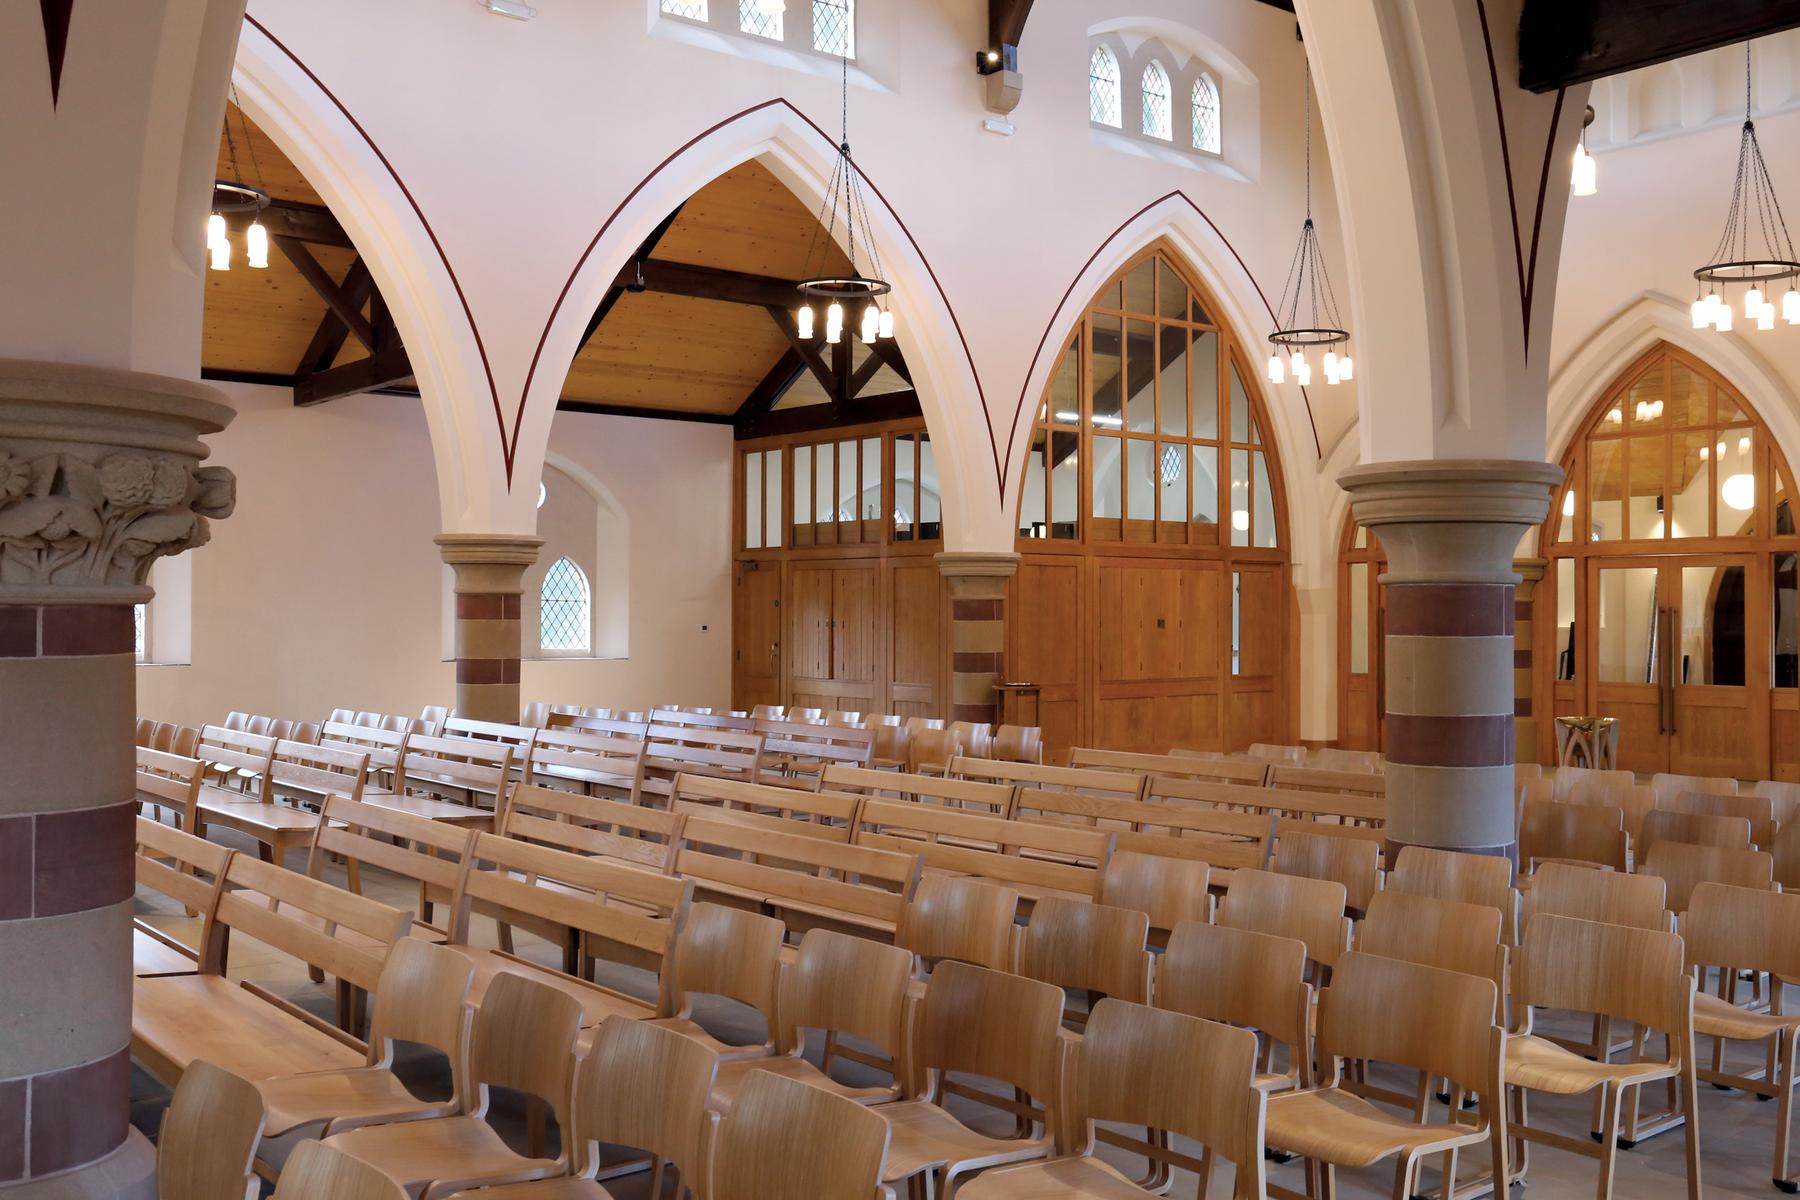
{"x":565,"y":610}
{"x":1151,"y":486}
{"x":1103,"y":87}
{"x":1155,"y":91}
{"x":1205,"y":104}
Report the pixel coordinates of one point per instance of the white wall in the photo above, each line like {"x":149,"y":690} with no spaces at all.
{"x":325,"y":590}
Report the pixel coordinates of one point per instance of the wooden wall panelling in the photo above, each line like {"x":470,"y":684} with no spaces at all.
{"x":756,"y":634}
{"x":918,"y":624}
{"x":1046,"y":639}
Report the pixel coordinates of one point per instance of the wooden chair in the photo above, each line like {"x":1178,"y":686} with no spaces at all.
{"x":893,"y":746}
{"x":422,"y":998}
{"x":1353,"y":862}
{"x":209,"y":1136}
{"x":787,"y":1140}
{"x":1568,"y":779}
{"x":1441,"y":1023}
{"x":982,"y":1023}
{"x":1785,"y":795}
{"x":593,"y":763}
{"x":317,"y":1172}
{"x":1636,"y":801}
{"x":931,"y":750}
{"x":977,"y":738}
{"x":1737,"y":929}
{"x":535,"y":715}
{"x":170,"y":781}
{"x":1018,"y":743}
{"x":1684,"y":866}
{"x":1635,"y":976}
{"x":1287,"y":756}
{"x":1311,"y":911}
{"x":1563,"y":890}
{"x":768,"y":712}
{"x":1248,"y":979}
{"x":1667,"y":786}
{"x":1082,"y":946}
{"x":1161,"y":1070}
{"x":1693,"y":829}
{"x":1167,"y":890}
{"x":1451,"y":875}
{"x":1331,"y":758}
{"x":1758,"y":810}
{"x":724,"y":952}
{"x":524,"y":1039}
{"x":1786,"y":852}
{"x":837,"y":986}
{"x":955,"y":918}
{"x":1573,"y":833}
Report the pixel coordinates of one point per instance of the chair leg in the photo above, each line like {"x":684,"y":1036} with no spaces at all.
{"x":1609,"y":1140}
{"x":1783,"y":1077}
{"x":1690,"y":1099}
{"x":1403,"y":1178}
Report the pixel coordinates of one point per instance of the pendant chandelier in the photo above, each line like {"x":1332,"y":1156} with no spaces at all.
{"x":851,"y":290}
{"x":1307,"y":285}
{"x":1755,"y":247}
{"x":235,"y":197}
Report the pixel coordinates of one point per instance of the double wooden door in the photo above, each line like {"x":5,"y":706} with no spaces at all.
{"x":1678,"y":652}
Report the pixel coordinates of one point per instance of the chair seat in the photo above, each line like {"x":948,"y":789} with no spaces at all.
{"x":1331,"y":1125}
{"x":450,"y":1153}
{"x":1059,"y":1177}
{"x":364,"y":1096}
{"x":597,"y":1003}
{"x":732,"y":1074}
{"x":924,"y":1137}
{"x":176,"y":1019}
{"x":1543,"y":1066}
{"x":725,"y":1050}
{"x":1714,"y":1017}
{"x":544,"y":1189}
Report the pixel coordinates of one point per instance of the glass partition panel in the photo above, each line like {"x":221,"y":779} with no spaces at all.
{"x":1109,"y":381}
{"x":824,"y":484}
{"x":1565,"y":618}
{"x":1240,"y":497}
{"x":1242,"y":428}
{"x":1712,"y":626}
{"x":1203,"y":352}
{"x":931,"y":508}
{"x":871,"y":487}
{"x":1140,"y":480}
{"x":1606,"y":490}
{"x":772,"y":499}
{"x":1140,"y":288}
{"x":1692,"y":486}
{"x":1171,"y":293}
{"x":803,"y":504}
{"x":906,"y":487}
{"x":1734,"y":456}
{"x":1262,"y":510}
{"x":1065,"y":389}
{"x":1172,"y":373}
{"x":1786,"y":673}
{"x":1140,"y":376}
{"x":1109,"y":489}
{"x":1206,"y":491}
{"x":753,"y":494}
{"x":1627,"y":625}
{"x":1359,"y":618}
{"x":1171,"y":465}
{"x":1065,"y":485}
{"x":1032,"y":522}
{"x":1646,"y":477}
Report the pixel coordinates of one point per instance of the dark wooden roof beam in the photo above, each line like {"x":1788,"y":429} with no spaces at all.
{"x":1562,"y":42}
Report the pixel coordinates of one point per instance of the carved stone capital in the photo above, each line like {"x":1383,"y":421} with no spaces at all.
{"x":100,"y":476}
{"x":1450,"y":520}
{"x":489,"y":563}
{"x":977,"y":576}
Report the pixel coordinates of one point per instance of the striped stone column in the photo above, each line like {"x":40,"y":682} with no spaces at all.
{"x":977,"y":630}
{"x":1525,"y":720}
{"x":490,"y":570}
{"x":99,"y":476}
{"x":1450,"y":528}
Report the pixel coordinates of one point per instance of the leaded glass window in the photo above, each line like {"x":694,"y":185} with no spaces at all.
{"x":762,"y":24}
{"x":1156,"y":101}
{"x":140,"y":621}
{"x":1206,"y":115}
{"x":1103,"y":87}
{"x":834,"y":27}
{"x":565,"y":610}
{"x":694,"y":10}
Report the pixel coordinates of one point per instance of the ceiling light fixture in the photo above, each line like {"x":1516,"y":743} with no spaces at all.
{"x":853,"y":288}
{"x":1307,"y":281}
{"x":510,"y":8}
{"x":1754,"y":248}
{"x":235,"y":197}
{"x":1584,"y":177}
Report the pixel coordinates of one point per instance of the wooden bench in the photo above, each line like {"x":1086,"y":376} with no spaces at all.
{"x":676,"y":749}
{"x":193,"y":877}
{"x":1320,"y":779}
{"x":690,"y":719}
{"x":277,"y":828}
{"x":1019,"y":854}
{"x":1249,"y":772}
{"x":593,"y":763}
{"x":594,"y":825}
{"x":610,"y":726}
{"x":456,"y":769}
{"x":631,"y":913}
{"x":432,"y":854}
{"x":991,"y":799}
{"x":306,"y":774}
{"x":383,"y":746}
{"x":244,"y":1028}
{"x":1226,"y":841}
{"x":1319,"y":807}
{"x":1119,"y":785}
{"x":170,"y":781}
{"x":827,"y":815}
{"x":796,"y":751}
{"x":805,"y":881}
{"x":1223,"y":768}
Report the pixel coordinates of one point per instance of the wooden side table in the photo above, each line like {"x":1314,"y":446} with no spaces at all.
{"x":1591,"y":742}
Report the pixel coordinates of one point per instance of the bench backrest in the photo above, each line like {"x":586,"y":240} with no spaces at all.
{"x":1320,"y":779}
{"x":993,"y":799}
{"x":383,"y":746}
{"x":194,"y":874}
{"x":824,"y":743}
{"x":433,"y":853}
{"x":700,"y":720}
{"x":238,"y":750}
{"x":1329,"y":806}
{"x":170,"y":780}
{"x":304,"y":917}
{"x":1244,"y":771}
{"x":1211,"y":836}
{"x":504,"y":869}
{"x":460,"y":762}
{"x":582,"y":723}
{"x":593,"y":825}
{"x":591,"y":759}
{"x":318,"y":770}
{"x":728,"y":753}
{"x":990,"y":847}
{"x":1036,"y":775}
{"x":822,"y":812}
{"x":869,"y":882}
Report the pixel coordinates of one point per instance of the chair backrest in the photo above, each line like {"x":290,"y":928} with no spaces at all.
{"x":1353,"y":862}
{"x":768,"y":712}
{"x":893,"y":743}
{"x":849,"y":985}
{"x":1758,"y":810}
{"x":992,"y":799}
{"x":1562,"y":890}
{"x":210,"y":1134}
{"x":1453,"y":875}
{"x":1332,"y":758}
{"x":1786,"y":797}
{"x":727,"y":952}
{"x":931,"y":746}
{"x":870,"y":883}
{"x":1635,"y":800}
{"x":1311,"y":911}
{"x":590,"y":759}
{"x":787,"y":1140}
{"x":307,"y":918}
{"x":314,"y":1171}
{"x":951,"y":917}
{"x":1166,"y":1070}
{"x":1167,"y":890}
{"x":976,"y":737}
{"x":1239,"y":977}
{"x":1392,"y":1011}
{"x":593,"y":825}
{"x":237,"y":720}
{"x":1019,"y":743}
{"x":1684,"y":866}
{"x":1635,"y":975}
{"x":992,"y":1024}
{"x":423,"y":998}
{"x":524,"y":1039}
{"x":915,"y":724}
{"x":1668,"y":786}
{"x":1787,"y":856}
{"x":535,"y":715}
{"x":1743,"y":929}
{"x":185,"y":741}
{"x":142,"y":731}
{"x":645,"y":1087}
{"x":434,"y":716}
{"x":1446,"y":934}
{"x":1568,"y":779}
{"x":1575,"y":832}
{"x":1094,"y":947}
{"x":1694,"y":829}
{"x":1293,"y":756}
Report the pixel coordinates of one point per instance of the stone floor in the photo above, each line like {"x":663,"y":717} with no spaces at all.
{"x":1737,"y":1144}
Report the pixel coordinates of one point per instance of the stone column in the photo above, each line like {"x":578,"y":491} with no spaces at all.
{"x":1525,"y":708}
{"x":977,"y":630}
{"x":99,"y":476}
{"x":1450,"y":528}
{"x":490,"y":570}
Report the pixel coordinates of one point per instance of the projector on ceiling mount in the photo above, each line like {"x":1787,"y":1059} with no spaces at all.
{"x":510,"y":8}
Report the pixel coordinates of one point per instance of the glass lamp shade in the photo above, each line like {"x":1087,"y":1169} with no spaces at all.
{"x":803,"y":321}
{"x":256,"y":246}
{"x":1585,"y":176}
{"x":1739,"y":492}
{"x":1277,"y":369}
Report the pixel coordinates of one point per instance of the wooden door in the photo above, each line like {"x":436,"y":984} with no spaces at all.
{"x":756,"y":635}
{"x":920,"y":653}
{"x":1157,"y":666}
{"x":1626,"y":657}
{"x":809,"y":636}
{"x":1259,"y":620}
{"x":855,"y":635}
{"x":1044,"y":635}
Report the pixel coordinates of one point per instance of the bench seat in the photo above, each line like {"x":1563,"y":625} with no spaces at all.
{"x":179,"y":1018}
{"x":446,"y":811}
{"x":155,"y":955}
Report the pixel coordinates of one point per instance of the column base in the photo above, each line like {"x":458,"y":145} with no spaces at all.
{"x":128,"y":1173}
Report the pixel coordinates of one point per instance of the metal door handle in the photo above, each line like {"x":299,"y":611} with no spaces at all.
{"x":1673,"y":650}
